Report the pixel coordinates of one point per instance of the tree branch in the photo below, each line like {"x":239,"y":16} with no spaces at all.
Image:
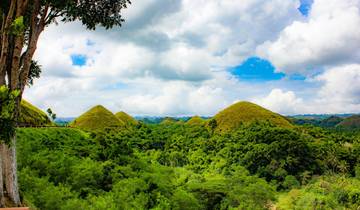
{"x":5,"y":38}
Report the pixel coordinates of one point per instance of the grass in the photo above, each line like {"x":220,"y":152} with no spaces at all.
{"x":127,"y":119}
{"x":168,"y":121}
{"x":196,"y":120}
{"x":32,"y":116}
{"x":97,"y":118}
{"x":244,"y":113}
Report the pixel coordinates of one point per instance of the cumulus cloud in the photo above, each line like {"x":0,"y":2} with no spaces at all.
{"x":280,"y":101}
{"x":176,"y":99}
{"x":330,"y":36}
{"x":172,"y":58}
{"x":341,"y":89}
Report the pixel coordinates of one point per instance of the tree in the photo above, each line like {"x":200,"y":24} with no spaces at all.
{"x":21,"y":23}
{"x":51,"y":114}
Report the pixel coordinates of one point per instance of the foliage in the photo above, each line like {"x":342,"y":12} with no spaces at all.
{"x":34,"y":73}
{"x":181,"y":166}
{"x":7,"y":110}
{"x":328,"y":192}
{"x":17,"y":26}
{"x":51,"y":114}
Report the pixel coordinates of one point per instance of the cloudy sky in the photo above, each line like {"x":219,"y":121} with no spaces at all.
{"x":186,"y":57}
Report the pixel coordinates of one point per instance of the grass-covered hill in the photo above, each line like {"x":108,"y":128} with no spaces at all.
{"x":168,"y":121}
{"x":31,"y":116}
{"x":352,"y":122}
{"x":126,"y":118}
{"x":245,"y":113}
{"x":97,"y":118}
{"x":196,"y":120}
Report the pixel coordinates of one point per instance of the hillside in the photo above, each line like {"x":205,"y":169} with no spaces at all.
{"x":196,"y":120}
{"x":168,"y":121}
{"x":127,"y":119}
{"x":245,"y":113}
{"x":97,"y":118}
{"x":31,"y":116}
{"x":328,"y":122}
{"x":352,"y":122}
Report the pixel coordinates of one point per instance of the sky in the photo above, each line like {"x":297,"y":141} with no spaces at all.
{"x":186,"y":57}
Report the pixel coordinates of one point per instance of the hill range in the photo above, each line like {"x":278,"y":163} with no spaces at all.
{"x":228,"y":119}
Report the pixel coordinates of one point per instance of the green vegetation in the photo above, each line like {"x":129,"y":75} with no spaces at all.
{"x":196,"y":120}
{"x":352,"y":122}
{"x":31,"y":116}
{"x":259,"y":165}
{"x":168,"y":121}
{"x":261,"y":162}
{"x":97,"y":118}
{"x":127,"y":119}
{"x":245,"y":113}
{"x":328,"y":192}
{"x":324,"y":122}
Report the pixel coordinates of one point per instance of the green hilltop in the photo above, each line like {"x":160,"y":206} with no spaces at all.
{"x":31,"y":116}
{"x":352,"y":122}
{"x":97,"y":118}
{"x":126,"y":118}
{"x":196,"y":120}
{"x":168,"y":121}
{"x":245,"y":113}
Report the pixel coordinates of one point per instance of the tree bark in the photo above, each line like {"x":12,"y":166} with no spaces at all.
{"x":2,"y":198}
{"x":9,"y":172}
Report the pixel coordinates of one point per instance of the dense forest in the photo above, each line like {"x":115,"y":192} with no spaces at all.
{"x":175,"y":165}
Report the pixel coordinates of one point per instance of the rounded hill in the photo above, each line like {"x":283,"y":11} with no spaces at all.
{"x":352,"y":122}
{"x":168,"y":121}
{"x":97,"y":118}
{"x":196,"y":120}
{"x":31,"y":116}
{"x":126,"y":118}
{"x":244,"y":113}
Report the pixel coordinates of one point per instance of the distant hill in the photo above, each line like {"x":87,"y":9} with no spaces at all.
{"x":127,"y":119}
{"x":331,"y":122}
{"x":97,"y":118}
{"x":246,"y":112}
{"x":352,"y":122}
{"x":168,"y":120}
{"x":319,"y":116}
{"x":196,"y":120}
{"x":328,"y":122}
{"x":31,"y":116}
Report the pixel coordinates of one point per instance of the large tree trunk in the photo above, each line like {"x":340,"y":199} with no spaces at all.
{"x":10,"y":189}
{"x":10,"y":175}
{"x":2,"y":199}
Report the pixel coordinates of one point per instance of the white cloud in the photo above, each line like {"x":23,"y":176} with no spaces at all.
{"x":330,"y":36}
{"x":285,"y":102}
{"x":170,"y":58}
{"x":341,"y":89}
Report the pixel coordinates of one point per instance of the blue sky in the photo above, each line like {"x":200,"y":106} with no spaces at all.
{"x":305,"y":6}
{"x":78,"y":59}
{"x":183,"y":57}
{"x":256,"y":69}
